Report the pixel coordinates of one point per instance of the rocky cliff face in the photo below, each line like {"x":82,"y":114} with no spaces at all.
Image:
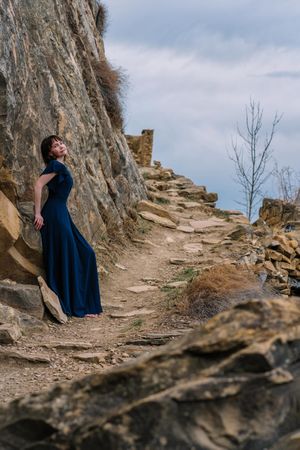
{"x":231,"y":384}
{"x":51,"y":57}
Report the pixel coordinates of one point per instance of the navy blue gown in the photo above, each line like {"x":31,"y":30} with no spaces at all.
{"x":70,"y":262}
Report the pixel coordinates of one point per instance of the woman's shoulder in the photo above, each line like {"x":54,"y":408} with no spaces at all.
{"x":54,"y":166}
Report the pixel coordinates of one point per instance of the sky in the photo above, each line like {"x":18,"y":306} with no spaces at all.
{"x":193,"y":66}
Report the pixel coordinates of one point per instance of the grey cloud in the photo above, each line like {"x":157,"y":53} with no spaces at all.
{"x":283,"y":74}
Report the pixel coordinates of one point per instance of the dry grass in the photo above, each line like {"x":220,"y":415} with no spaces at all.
{"x":112,"y":83}
{"x":101,"y":18}
{"x":218,"y":288}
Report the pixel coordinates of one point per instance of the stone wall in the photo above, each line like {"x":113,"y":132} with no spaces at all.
{"x":50,"y":54}
{"x":278,"y":213}
{"x":141,"y":147}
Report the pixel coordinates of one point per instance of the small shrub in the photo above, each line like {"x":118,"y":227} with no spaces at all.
{"x":218,"y":288}
{"x":112,"y":83}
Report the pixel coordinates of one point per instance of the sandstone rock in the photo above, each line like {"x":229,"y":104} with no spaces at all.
{"x":91,"y":357}
{"x":141,"y":288}
{"x":67,"y":345}
{"x":278,"y":212}
{"x":269,"y":266}
{"x":52,"y":301}
{"x":235,"y":373}
{"x":177,"y":261}
{"x":33,"y":358}
{"x":10,"y":225}
{"x":210,"y":241}
{"x":201,"y":225}
{"x":193,"y":247}
{"x":157,"y":338}
{"x":157,"y":219}
{"x":14,"y":265}
{"x":197,"y":193}
{"x":240,"y":232}
{"x":272,"y":254}
{"x":293,"y":243}
{"x":185,"y":229}
{"x":28,"y":324}
{"x":9,"y":333}
{"x":147,"y":206}
{"x":25,"y":298}
{"x":190,"y":205}
{"x":135,"y":312}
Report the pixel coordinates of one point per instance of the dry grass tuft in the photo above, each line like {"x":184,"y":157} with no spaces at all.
{"x":101,"y":18}
{"x":112,"y":83}
{"x":218,"y":288}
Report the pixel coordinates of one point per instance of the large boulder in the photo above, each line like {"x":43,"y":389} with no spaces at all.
{"x":25,"y":322}
{"x":24,"y":297}
{"x":233,"y":383}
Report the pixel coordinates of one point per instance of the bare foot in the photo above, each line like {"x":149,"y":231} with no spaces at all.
{"x":91,"y":315}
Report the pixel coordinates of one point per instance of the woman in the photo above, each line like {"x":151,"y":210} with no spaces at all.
{"x":70,"y":262}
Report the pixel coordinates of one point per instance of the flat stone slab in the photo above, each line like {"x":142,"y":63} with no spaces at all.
{"x":185,"y":229}
{"x":190,"y":205}
{"x":142,"y":288}
{"x":209,"y":241}
{"x":135,"y":312}
{"x":195,"y":247}
{"x":67,"y":345}
{"x":34,"y":358}
{"x":163,"y":221}
{"x":177,"y":261}
{"x":91,"y":357}
{"x":52,"y":301}
{"x":200,"y":225}
{"x":158,"y":338}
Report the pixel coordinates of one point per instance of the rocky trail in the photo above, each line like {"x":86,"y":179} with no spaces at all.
{"x":137,"y":297}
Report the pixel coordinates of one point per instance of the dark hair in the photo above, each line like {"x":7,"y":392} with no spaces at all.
{"x":46,"y":147}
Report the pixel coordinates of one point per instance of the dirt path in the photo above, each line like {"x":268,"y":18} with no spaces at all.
{"x":103,"y":342}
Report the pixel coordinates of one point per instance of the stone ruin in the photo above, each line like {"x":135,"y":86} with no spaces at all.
{"x":141,"y":147}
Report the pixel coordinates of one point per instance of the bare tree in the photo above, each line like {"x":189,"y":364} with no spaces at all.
{"x":251,"y":157}
{"x":288,"y":183}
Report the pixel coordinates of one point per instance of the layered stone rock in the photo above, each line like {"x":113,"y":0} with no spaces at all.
{"x":141,"y":147}
{"x":159,"y":179}
{"x":278,"y":213}
{"x":52,"y":61}
{"x":232,"y":383}
{"x":25,"y":298}
{"x":278,"y":257}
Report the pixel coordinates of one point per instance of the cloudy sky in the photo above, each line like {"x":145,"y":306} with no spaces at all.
{"x":192,"y":67}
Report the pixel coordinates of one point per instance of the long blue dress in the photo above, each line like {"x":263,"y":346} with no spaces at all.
{"x":70,"y":261}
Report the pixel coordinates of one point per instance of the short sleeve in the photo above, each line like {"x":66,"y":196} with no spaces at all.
{"x":55,"y":167}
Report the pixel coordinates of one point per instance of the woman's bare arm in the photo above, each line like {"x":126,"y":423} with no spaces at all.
{"x":40,"y":183}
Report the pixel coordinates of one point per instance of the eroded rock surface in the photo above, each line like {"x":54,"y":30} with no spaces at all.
{"x":232,"y":383}
{"x":52,"y":64}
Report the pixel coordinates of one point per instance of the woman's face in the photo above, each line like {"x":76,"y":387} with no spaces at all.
{"x":58,"y":149}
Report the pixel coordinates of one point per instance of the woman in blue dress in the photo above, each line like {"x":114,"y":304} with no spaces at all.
{"x":70,"y":261}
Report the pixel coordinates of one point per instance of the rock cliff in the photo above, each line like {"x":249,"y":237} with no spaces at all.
{"x":53,"y":80}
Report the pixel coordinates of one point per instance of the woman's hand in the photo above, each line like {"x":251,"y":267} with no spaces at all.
{"x":38,"y":221}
